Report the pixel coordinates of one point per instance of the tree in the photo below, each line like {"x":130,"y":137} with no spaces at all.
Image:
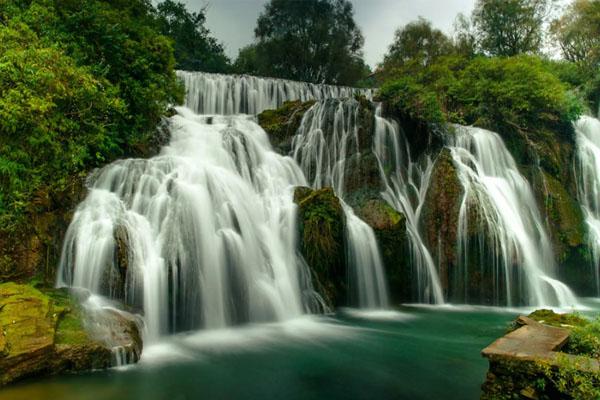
{"x":465,"y":42}
{"x":418,"y":43}
{"x":82,"y":84}
{"x":313,"y":40}
{"x":510,"y":27}
{"x":55,"y":117}
{"x":195,"y":49}
{"x":578,"y":33}
{"x":247,"y":61}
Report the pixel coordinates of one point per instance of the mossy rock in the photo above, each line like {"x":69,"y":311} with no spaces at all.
{"x":365,"y":123}
{"x":551,"y":318}
{"x":564,"y":214}
{"x":322,"y":242}
{"x":567,"y":229}
{"x":281,"y":124}
{"x":362,"y":179}
{"x":441,"y":212}
{"x":42,"y":332}
{"x":389,"y":227}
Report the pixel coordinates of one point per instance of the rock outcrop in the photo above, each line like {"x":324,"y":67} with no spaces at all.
{"x":281,"y":124}
{"x":44,"y":333}
{"x":322,"y":225}
{"x":390,"y":230}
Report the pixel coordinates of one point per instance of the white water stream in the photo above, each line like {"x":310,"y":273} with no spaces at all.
{"x":326,"y":139}
{"x":588,"y":185}
{"x":406,"y":183}
{"x":521,"y":249}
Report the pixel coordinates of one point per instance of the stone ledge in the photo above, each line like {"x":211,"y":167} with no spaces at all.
{"x":534,"y":341}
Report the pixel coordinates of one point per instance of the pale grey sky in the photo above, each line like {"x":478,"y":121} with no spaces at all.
{"x":232,"y":21}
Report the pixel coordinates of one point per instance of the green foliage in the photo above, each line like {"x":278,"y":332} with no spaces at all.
{"x":517,"y":91}
{"x":585,"y":339}
{"x":412,"y":99}
{"x":569,"y":378}
{"x":195,"y":49}
{"x":314,"y":41}
{"x":81,"y":83}
{"x":55,"y":117}
{"x":578,"y":33}
{"x":496,"y":93}
{"x":248,"y":62}
{"x":510,"y":27}
{"x":418,"y":42}
{"x":585,"y":334}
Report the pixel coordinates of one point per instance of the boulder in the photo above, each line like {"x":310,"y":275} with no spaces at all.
{"x":323,"y":243}
{"x":441,"y":212}
{"x":389,"y":227}
{"x":281,"y":124}
{"x":44,"y":333}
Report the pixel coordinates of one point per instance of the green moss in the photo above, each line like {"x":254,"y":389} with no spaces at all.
{"x":571,"y":374}
{"x":281,"y":124}
{"x":549,"y":317}
{"x":42,"y":332}
{"x":440,"y":213}
{"x":564,"y":213}
{"x":322,"y":242}
{"x":69,"y":328}
{"x":389,"y":227}
{"x":26,"y":318}
{"x":584,"y":339}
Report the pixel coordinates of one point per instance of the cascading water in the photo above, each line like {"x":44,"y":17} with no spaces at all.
{"x":324,"y":143}
{"x":406,"y":184}
{"x":209,"y":227}
{"x":244,"y":94}
{"x":518,"y":246}
{"x":588,"y":185}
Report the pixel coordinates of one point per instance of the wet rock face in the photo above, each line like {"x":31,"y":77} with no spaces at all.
{"x":567,"y":229}
{"x":389,"y":227}
{"x":441,"y":211}
{"x":281,"y":124}
{"x":43,"y":333}
{"x":322,"y":242}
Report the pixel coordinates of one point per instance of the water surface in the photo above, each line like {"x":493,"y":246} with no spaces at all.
{"x":418,"y":353}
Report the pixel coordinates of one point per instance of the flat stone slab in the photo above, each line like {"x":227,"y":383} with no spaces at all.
{"x":531,"y":341}
{"x":534,"y":341}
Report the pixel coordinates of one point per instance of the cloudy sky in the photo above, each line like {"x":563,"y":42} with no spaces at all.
{"x":233,"y":21}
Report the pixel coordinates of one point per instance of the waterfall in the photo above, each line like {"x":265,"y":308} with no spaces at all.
{"x":243,"y":94}
{"x":209,"y":226}
{"x":519,"y":249}
{"x":588,"y":185}
{"x":326,"y":140}
{"x":406,"y":184}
